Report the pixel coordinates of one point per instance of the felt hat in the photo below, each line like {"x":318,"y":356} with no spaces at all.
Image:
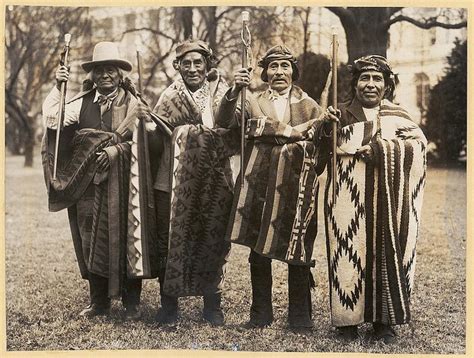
{"x":106,"y":53}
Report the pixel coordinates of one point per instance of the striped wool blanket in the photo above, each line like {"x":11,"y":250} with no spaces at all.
{"x":275,"y":212}
{"x":118,"y":240}
{"x":372,"y":227}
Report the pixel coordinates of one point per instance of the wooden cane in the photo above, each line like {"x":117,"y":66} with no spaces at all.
{"x":334,"y":104}
{"x":246,"y":44}
{"x":62,"y":104}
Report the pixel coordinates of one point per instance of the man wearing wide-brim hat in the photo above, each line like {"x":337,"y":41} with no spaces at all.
{"x":95,"y":156}
{"x":274,"y":213}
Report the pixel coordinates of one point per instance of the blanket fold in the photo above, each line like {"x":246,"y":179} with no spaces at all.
{"x":275,"y":212}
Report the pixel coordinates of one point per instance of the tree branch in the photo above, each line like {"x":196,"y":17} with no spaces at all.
{"x":428,"y":24}
{"x":393,"y":10}
{"x":149,"y":29}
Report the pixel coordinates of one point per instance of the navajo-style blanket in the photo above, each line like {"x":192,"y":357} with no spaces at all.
{"x":373,"y":225}
{"x":275,"y":211}
{"x":102,"y":248}
{"x":178,"y":107}
{"x":201,"y":199}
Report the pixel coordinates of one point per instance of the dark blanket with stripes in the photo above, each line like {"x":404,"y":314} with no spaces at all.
{"x":373,"y":225}
{"x":275,"y":212}
{"x":201,"y":199}
{"x":104,"y":233}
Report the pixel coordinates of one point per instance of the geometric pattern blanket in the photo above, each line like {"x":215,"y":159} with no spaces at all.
{"x":373,"y":225}
{"x":201,"y":199}
{"x":275,"y":213}
{"x":121,"y":241}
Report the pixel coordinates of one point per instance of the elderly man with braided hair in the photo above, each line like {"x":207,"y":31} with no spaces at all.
{"x":373,"y":224}
{"x":103,"y":126}
{"x":274,"y":213}
{"x":193,"y":187}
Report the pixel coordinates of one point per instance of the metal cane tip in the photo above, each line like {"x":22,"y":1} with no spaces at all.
{"x":67,"y":38}
{"x":245,"y":16}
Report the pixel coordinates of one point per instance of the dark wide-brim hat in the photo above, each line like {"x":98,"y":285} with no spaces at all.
{"x":193,"y":46}
{"x":106,"y":53}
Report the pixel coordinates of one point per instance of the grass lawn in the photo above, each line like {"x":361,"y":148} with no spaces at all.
{"x":44,"y":291}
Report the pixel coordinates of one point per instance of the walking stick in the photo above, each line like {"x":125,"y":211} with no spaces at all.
{"x":62,"y":103}
{"x":246,"y":40}
{"x":163,"y":125}
{"x":139,"y":70}
{"x":334,"y":104}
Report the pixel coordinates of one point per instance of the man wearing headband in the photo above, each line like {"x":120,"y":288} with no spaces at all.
{"x":275,"y":213}
{"x":193,"y":190}
{"x":373,"y":224}
{"x":94,"y":160}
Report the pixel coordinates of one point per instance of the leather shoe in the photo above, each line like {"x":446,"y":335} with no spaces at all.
{"x":214,"y":317}
{"x":348,"y":332}
{"x":165,"y":316}
{"x":304,"y":324}
{"x":253,"y":323}
{"x":94,"y":310}
{"x":132,"y":313}
{"x":384,"y":332}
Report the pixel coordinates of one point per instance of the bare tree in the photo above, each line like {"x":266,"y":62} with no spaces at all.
{"x":33,"y":42}
{"x":367,"y":28}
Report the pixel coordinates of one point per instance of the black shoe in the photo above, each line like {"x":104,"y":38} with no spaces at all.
{"x":254,"y":323}
{"x":348,"y":332}
{"x":166,"y":317}
{"x":95,"y":310}
{"x":384,"y":333}
{"x":214,"y":317}
{"x":133,"y":313}
{"x":305,"y":324}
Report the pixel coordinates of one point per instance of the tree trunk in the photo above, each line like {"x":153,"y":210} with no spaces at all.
{"x":184,"y":21}
{"x":29,"y":151}
{"x":366,"y":32}
{"x":212,"y":27}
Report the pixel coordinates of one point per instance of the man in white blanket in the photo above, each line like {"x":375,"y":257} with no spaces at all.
{"x":373,"y":224}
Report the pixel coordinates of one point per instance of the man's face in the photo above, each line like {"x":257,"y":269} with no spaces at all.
{"x":279,"y":74}
{"x":370,"y":88}
{"x":192,"y":68}
{"x":106,"y":77}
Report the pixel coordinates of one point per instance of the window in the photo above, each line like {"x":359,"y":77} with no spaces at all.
{"x":422,"y":83}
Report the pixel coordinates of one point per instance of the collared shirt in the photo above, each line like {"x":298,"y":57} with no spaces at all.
{"x":280,"y":102}
{"x":371,"y":113}
{"x":72,"y":109}
{"x":105,"y":101}
{"x":51,"y":107}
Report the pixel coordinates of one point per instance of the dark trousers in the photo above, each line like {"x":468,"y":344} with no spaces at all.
{"x":99,"y":285}
{"x":299,"y":295}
